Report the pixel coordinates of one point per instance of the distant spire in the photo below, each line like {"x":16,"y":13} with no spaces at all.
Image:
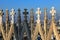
{"x":32,"y":15}
{"x":32,"y":20}
{"x":19,"y":24}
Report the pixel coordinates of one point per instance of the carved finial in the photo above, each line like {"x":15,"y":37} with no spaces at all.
{"x":25,"y":15}
{"x":38,"y":11}
{"x":52,"y":11}
{"x":1,"y":12}
{"x":32,"y":12}
{"x":19,"y":11}
{"x":45,"y":8}
{"x":19,"y":16}
{"x":6,"y":9}
{"x":7,"y":16}
{"x":12,"y":13}
{"x":38,"y":15}
{"x":7,"y":12}
{"x":45,"y":11}
{"x":25,"y":12}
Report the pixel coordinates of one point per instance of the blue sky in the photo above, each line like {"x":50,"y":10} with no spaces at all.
{"x":30,"y":4}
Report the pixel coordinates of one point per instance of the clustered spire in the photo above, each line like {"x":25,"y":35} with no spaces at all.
{"x":24,"y":30}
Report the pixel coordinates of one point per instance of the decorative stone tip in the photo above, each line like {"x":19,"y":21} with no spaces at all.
{"x":12,"y":12}
{"x":38,"y":11}
{"x":31,"y":11}
{"x":45,"y":8}
{"x":1,"y":11}
{"x":53,"y":7}
{"x":12,"y":9}
{"x":6,"y":9}
{"x":25,"y":9}
{"x":18,"y":9}
{"x":38,"y":8}
{"x":53,"y":11}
